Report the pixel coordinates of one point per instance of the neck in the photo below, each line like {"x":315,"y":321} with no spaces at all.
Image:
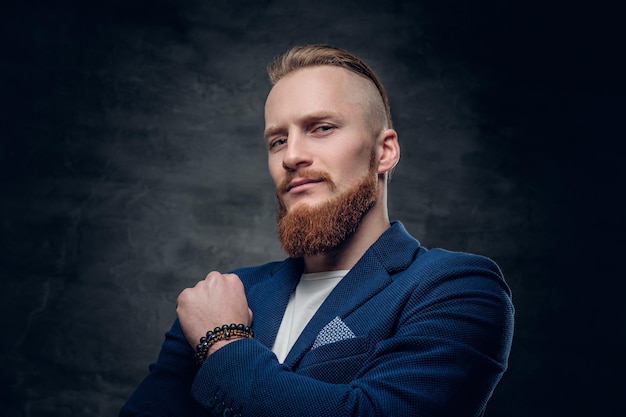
{"x":348,"y":253}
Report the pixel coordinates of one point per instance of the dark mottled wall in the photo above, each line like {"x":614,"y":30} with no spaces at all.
{"x":131,"y":164}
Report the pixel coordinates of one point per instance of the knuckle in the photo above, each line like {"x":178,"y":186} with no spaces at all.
{"x":183,"y":295}
{"x":213,"y":275}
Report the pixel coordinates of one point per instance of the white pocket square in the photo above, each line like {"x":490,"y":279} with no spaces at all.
{"x":333,"y":332}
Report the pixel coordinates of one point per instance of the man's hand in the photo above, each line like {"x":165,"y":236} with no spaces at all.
{"x":217,"y":300}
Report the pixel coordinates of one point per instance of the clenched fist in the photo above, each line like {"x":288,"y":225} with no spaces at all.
{"x":218,"y":299}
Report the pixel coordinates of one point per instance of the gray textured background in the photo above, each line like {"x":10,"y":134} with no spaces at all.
{"x":131,"y":164}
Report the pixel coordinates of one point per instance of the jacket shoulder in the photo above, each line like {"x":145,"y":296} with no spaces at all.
{"x":251,"y":275}
{"x":442,"y":260}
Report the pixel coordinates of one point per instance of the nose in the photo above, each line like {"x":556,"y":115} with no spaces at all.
{"x":297,"y":154}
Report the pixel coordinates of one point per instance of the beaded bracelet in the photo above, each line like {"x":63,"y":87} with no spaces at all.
{"x":225,"y":332}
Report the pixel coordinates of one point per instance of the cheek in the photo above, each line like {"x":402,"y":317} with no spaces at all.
{"x":359,"y":165}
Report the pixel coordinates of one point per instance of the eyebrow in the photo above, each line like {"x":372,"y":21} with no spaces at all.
{"x":307,"y":119}
{"x":272,"y":131}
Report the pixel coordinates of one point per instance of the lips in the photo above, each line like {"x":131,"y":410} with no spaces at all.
{"x":297,"y":183}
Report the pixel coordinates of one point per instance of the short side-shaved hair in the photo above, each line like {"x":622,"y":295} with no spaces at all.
{"x":313,"y":55}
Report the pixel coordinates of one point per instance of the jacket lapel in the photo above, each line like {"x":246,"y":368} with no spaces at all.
{"x":393,"y":251}
{"x":345,"y":298}
{"x":271,"y":297}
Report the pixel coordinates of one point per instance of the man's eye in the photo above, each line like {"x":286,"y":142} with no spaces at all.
{"x":278,"y":142}
{"x":323,"y":128}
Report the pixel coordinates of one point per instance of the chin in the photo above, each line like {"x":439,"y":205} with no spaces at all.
{"x":305,"y":201}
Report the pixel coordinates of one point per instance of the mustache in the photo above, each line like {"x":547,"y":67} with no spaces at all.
{"x":283,"y":186}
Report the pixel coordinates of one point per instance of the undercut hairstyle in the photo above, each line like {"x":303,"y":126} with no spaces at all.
{"x":306,"y":56}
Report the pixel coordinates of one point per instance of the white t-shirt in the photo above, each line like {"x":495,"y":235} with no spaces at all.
{"x":309,"y":295}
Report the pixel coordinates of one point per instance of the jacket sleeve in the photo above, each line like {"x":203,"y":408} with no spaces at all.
{"x":165,"y":391}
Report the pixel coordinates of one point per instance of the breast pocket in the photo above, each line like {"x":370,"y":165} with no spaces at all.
{"x":336,"y":362}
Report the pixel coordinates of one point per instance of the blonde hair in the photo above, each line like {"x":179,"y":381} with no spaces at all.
{"x":305,"y":56}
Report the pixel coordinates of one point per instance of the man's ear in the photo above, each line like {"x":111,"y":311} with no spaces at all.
{"x":389,"y":151}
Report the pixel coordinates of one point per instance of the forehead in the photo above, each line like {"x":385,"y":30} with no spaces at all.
{"x":315,"y":89}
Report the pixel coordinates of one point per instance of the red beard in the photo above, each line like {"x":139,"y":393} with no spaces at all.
{"x":309,"y":230}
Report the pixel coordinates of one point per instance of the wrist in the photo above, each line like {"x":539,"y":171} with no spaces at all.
{"x":219,"y":337}
{"x":220,"y":344}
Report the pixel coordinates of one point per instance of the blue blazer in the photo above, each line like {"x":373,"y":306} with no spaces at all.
{"x":407,"y":332}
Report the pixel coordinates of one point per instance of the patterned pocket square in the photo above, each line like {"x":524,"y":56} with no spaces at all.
{"x":333,"y":332}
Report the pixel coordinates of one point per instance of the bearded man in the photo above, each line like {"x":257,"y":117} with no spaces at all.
{"x":360,"y":319}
